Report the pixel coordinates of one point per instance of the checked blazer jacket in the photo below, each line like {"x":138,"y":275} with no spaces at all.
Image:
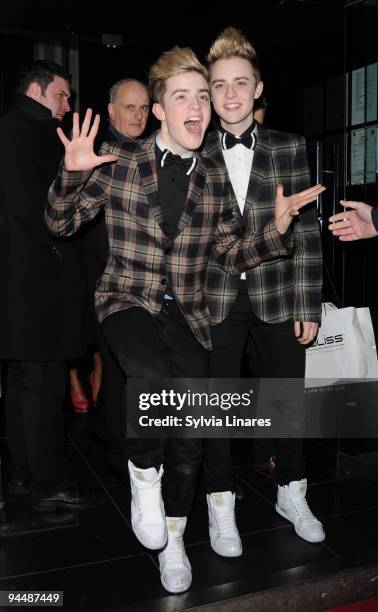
{"x":142,"y":259}
{"x":284,"y":288}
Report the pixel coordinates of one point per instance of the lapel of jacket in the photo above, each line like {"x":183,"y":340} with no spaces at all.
{"x":194,"y":195}
{"x":261,"y":165}
{"x":146,"y":160}
{"x":213,"y":148}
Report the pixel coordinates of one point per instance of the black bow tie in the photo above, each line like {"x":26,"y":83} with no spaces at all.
{"x":247,"y":139}
{"x":170,"y":159}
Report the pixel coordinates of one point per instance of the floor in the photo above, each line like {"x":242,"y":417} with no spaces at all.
{"x":96,"y":561}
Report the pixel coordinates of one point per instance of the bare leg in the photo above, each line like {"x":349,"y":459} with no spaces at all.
{"x":78,"y":397}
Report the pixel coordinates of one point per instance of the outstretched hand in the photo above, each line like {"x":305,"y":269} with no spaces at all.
{"x":79,"y":154}
{"x":353,"y":224}
{"x":288,"y":207}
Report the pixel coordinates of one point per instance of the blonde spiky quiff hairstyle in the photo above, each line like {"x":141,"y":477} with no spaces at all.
{"x":172,"y":63}
{"x":232,"y":43}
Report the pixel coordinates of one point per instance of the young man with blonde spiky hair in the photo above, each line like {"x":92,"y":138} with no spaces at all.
{"x":276,"y":305}
{"x":165,"y":213}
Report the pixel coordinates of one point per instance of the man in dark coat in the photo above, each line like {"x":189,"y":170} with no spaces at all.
{"x":42,"y":303}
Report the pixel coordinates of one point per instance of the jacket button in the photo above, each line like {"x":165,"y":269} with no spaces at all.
{"x":168,"y":250}
{"x":163,"y":281}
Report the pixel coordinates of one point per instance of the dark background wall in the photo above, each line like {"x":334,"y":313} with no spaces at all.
{"x":298,"y":41}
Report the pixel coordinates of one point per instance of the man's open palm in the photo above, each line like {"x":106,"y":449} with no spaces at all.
{"x":79,"y":153}
{"x":288,"y":207}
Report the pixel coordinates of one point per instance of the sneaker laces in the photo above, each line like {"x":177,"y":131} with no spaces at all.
{"x":174,"y":554}
{"x":302,"y":509}
{"x":226,"y":523}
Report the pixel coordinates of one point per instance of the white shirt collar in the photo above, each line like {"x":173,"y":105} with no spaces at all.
{"x":163,"y":147}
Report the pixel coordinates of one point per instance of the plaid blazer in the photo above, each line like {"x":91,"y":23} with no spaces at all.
{"x":142,"y":259}
{"x":283,"y":288}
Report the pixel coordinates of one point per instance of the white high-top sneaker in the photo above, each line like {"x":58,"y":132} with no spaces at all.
{"x":175,"y":568}
{"x":292,"y":504}
{"x":224,"y":535}
{"x":147,"y":507}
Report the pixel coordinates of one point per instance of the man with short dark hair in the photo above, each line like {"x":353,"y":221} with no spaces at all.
{"x":47,"y":83}
{"x":43,"y":293}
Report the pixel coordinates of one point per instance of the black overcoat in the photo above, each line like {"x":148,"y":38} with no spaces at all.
{"x":42,"y":283}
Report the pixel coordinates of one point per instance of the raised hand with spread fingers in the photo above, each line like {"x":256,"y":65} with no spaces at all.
{"x":79,"y":153}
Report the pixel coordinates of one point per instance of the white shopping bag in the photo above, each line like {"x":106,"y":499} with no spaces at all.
{"x":344,"y":347}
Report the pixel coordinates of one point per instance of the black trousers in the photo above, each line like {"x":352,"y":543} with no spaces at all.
{"x":108,"y":416}
{"x":274,"y":352}
{"x":34,"y":399}
{"x":161,"y":347}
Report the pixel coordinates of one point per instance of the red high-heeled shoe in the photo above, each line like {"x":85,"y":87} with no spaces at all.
{"x":80,"y":405}
{"x":94,"y":386}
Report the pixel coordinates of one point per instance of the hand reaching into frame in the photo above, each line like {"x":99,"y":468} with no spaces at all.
{"x":288,"y":207}
{"x":79,"y":153}
{"x":353,"y":224}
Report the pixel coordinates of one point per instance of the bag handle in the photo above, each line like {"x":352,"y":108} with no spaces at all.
{"x":335,"y":294}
